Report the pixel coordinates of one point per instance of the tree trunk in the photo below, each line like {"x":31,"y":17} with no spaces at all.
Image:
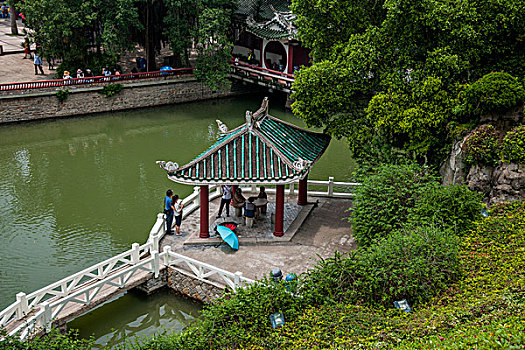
{"x":150,"y":52}
{"x":14,"y":28}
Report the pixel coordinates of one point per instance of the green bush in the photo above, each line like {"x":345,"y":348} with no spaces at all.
{"x":95,"y":62}
{"x":111,"y":90}
{"x":413,"y":264}
{"x":493,"y":93}
{"x":51,"y":341}
{"x":384,"y":200}
{"x":452,"y":207}
{"x":62,"y":95}
{"x":481,"y":146}
{"x":513,"y":146}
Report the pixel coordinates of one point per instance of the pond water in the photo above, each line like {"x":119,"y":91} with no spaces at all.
{"x":76,"y":191}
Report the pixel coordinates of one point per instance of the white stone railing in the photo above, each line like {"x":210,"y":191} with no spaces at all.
{"x":38,"y":309}
{"x":203,"y":271}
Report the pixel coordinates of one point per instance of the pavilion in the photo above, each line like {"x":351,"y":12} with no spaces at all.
{"x":263,"y":151}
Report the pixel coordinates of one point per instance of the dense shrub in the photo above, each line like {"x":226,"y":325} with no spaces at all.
{"x":384,"y":200}
{"x":453,"y":207}
{"x":52,"y":341}
{"x":415,"y":264}
{"x":493,"y":93}
{"x":481,"y":146}
{"x":513,"y":146}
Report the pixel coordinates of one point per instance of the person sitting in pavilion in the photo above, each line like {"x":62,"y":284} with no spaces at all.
{"x":262,"y":195}
{"x":238,"y":201}
{"x":249,"y":212}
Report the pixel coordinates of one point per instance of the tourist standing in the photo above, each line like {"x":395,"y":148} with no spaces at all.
{"x":169,"y":211}
{"x":225,"y":200}
{"x":27,"y":49}
{"x":38,"y":64}
{"x":177,"y":206}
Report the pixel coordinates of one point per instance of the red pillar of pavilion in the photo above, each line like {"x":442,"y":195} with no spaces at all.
{"x":204,"y":211}
{"x":261,"y":64}
{"x":279,"y":211}
{"x":290,"y":59}
{"x":303,"y":188}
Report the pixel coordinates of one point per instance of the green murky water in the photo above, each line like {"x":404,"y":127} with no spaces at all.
{"x":76,"y":191}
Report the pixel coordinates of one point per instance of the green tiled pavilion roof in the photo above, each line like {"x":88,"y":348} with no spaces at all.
{"x":265,"y":150}
{"x":279,"y":26}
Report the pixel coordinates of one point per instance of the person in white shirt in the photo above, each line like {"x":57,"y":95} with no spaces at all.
{"x":225,"y":200}
{"x":177,"y":205}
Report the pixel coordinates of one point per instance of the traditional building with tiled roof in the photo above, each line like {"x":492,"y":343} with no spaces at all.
{"x":267,"y":37}
{"x":264,"y":151}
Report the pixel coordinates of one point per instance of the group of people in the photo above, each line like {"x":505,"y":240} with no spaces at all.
{"x":81,"y":74}
{"x":173,"y":210}
{"x":238,"y":201}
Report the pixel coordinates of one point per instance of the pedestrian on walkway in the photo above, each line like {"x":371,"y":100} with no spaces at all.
{"x":38,"y":64}
{"x":177,"y":206}
{"x":169,"y":211}
{"x":27,"y":49}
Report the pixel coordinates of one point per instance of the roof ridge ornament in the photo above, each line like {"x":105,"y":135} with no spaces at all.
{"x":300,"y":164}
{"x":262,"y":112}
{"x":170,"y":167}
{"x":249,"y":120}
{"x":222,"y":127}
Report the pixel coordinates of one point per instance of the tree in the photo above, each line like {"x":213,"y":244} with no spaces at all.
{"x":408,"y":68}
{"x":214,"y":44}
{"x":14,"y":17}
{"x":80,"y":30}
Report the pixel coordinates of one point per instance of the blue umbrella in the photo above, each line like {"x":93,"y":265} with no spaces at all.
{"x":228,"y":236}
{"x":165,"y":68}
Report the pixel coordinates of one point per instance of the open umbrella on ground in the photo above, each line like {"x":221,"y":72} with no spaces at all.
{"x":228,"y":236}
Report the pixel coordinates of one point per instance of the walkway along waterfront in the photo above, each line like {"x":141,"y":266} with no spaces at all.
{"x":76,"y":294}
{"x":38,"y":99}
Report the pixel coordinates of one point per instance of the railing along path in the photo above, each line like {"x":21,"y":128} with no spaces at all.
{"x":38,"y":310}
{"x":87,"y":81}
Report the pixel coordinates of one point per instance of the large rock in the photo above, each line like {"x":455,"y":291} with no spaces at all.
{"x":480,"y":178}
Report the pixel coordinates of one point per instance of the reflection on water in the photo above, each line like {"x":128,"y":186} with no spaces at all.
{"x":76,"y":191}
{"x":136,"y":315}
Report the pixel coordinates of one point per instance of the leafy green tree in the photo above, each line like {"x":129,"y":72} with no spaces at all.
{"x":214,"y":44}
{"x":180,"y":21}
{"x":78,"y":30}
{"x":408,"y":69}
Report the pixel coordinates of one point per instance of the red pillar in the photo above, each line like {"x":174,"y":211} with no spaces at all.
{"x":303,"y":188}
{"x":205,"y":212}
{"x":290,"y":58}
{"x":279,"y":210}
{"x":261,"y":64}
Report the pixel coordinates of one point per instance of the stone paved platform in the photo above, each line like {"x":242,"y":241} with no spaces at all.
{"x":324,"y":230}
{"x":263,"y":228}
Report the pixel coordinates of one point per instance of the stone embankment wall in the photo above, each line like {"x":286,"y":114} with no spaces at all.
{"x":184,"y":283}
{"x":193,"y":287}
{"x":88,"y":100}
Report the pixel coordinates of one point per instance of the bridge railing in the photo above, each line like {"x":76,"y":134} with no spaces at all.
{"x":87,"y":81}
{"x":25,"y":304}
{"x":263,"y":75}
{"x":203,"y":271}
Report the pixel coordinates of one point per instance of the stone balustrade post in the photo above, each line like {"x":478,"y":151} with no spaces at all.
{"x":47,"y":316}
{"x":162,"y":217}
{"x":167,"y":251}
{"x":330,"y":186}
{"x":292,"y":189}
{"x":155,"y":243}
{"x":23,"y":307}
{"x":135,"y":253}
{"x":196,"y":200}
{"x":237,"y":279}
{"x":156,"y":263}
